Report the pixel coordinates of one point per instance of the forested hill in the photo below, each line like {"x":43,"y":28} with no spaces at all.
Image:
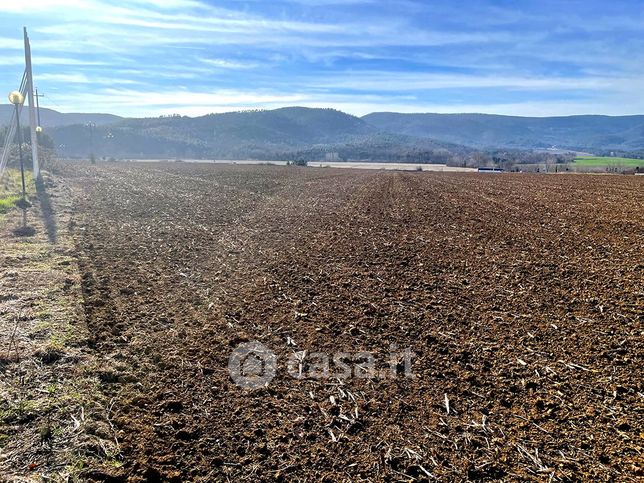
{"x":276,"y":134}
{"x":298,"y":132}
{"x":51,"y":118}
{"x":492,"y":131}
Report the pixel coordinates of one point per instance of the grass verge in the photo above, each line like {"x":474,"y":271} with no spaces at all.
{"x":11,"y":189}
{"x":54,"y":420}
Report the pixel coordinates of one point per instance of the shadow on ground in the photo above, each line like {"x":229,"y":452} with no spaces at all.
{"x":49,"y":221}
{"x":24,"y":230}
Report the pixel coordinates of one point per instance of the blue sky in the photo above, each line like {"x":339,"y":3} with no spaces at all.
{"x":193,"y":57}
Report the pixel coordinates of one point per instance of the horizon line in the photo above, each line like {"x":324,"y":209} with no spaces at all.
{"x":260,"y":109}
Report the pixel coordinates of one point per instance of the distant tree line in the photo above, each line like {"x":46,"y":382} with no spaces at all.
{"x":45,"y":143}
{"x":621,"y":154}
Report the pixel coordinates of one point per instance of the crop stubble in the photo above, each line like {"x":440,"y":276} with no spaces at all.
{"x":520,"y":295}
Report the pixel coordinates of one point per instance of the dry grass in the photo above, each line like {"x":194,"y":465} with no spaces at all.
{"x":53,"y":421}
{"x":11,"y":189}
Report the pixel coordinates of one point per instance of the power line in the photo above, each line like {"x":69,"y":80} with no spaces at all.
{"x":38,"y":96}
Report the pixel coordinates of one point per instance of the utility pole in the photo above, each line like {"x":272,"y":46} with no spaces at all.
{"x":22,"y":164}
{"x":32,"y":107}
{"x":38,"y":127}
{"x":92,"y":127}
{"x":38,"y":96}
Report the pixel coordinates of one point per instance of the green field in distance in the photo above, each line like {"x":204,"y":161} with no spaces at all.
{"x":599,"y":162}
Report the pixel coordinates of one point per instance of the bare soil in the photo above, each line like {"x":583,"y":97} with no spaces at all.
{"x":521,"y":297}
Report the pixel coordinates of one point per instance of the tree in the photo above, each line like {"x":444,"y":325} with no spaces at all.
{"x":45,"y":144}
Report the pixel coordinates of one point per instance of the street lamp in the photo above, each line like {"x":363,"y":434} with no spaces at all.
{"x":16,"y":98}
{"x":38,"y":133}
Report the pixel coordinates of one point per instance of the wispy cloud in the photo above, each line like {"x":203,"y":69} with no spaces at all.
{"x":19,"y":60}
{"x":397,"y":82}
{"x":129,"y":101}
{"x":80,"y":78}
{"x":10,"y":44}
{"x":360,"y":55}
{"x":228,"y":64}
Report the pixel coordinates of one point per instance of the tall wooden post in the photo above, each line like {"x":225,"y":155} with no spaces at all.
{"x":32,"y":106}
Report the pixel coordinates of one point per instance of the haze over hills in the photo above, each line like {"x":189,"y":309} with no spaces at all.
{"x":493,"y":131}
{"x":52,"y":118}
{"x":277,"y":134}
{"x":298,"y":132}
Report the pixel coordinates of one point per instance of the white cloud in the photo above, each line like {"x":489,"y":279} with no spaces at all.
{"x":11,"y":44}
{"x":63,"y":78}
{"x":81,"y":78}
{"x":39,"y":5}
{"x":70,"y":7}
{"x":228,"y":64}
{"x":144,"y":103}
{"x":19,"y":60}
{"x":172,"y":4}
{"x":418,"y":81}
{"x":303,"y":51}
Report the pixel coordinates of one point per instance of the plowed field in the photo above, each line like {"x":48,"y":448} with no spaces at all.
{"x":521,"y":297}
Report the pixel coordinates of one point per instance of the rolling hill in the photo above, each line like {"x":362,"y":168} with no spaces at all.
{"x":492,"y":131}
{"x":277,"y":134}
{"x":293,"y":132}
{"x":52,"y":118}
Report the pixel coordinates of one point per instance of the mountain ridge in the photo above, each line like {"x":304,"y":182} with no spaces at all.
{"x":53,"y":118}
{"x":518,"y":132}
{"x":314,"y":132}
{"x":286,"y":133}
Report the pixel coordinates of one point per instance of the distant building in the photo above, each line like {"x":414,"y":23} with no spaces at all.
{"x":485,"y":169}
